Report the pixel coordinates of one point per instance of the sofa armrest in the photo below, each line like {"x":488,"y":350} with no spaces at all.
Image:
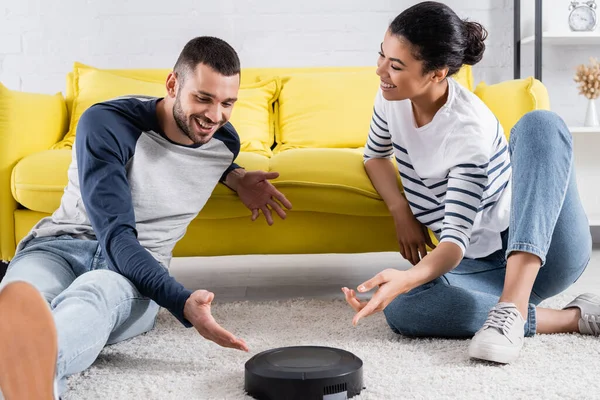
{"x":29,"y":123}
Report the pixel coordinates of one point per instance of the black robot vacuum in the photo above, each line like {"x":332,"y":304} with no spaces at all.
{"x":304,"y":372}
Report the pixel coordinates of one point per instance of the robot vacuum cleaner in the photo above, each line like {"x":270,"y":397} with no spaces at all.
{"x":304,"y":372}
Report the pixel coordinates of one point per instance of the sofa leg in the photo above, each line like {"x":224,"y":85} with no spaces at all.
{"x":3,"y":267}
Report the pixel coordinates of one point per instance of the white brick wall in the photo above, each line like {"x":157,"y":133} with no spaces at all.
{"x":40,"y":39}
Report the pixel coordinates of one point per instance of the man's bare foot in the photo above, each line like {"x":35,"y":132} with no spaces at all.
{"x":28,"y":344}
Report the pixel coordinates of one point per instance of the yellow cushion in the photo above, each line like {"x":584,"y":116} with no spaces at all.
{"x":510,"y":100}
{"x":252,"y":115}
{"x":38,"y":182}
{"x":330,"y":108}
{"x":91,"y":85}
{"x":327,"y":180}
{"x":326,"y":110}
{"x":28,"y":122}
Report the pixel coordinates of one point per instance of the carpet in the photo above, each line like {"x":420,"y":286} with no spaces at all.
{"x":172,"y":362}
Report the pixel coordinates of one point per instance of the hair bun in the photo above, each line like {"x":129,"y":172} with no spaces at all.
{"x":475,"y":35}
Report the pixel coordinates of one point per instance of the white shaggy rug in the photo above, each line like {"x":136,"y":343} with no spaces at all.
{"x":172,"y":362}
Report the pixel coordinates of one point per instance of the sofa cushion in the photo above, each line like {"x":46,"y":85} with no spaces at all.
{"x":322,"y":180}
{"x":38,"y":182}
{"x":330,"y":108}
{"x":328,"y":181}
{"x":252,"y":115}
{"x":326,"y":110}
{"x":510,"y":100}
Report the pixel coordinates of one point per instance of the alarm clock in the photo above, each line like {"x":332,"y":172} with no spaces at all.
{"x":582,"y":17}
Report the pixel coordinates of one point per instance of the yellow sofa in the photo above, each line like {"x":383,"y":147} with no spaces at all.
{"x":308,"y":124}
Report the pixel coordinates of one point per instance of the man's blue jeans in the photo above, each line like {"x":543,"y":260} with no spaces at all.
{"x":92,"y":306}
{"x":546,"y":219}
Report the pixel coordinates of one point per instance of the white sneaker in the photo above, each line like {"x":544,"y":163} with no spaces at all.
{"x":589,"y":305}
{"x":501,"y":337}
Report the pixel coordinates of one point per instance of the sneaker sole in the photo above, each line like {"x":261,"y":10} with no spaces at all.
{"x":497,"y":354}
{"x":28,"y":344}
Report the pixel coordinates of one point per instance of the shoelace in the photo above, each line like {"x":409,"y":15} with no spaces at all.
{"x":592,"y":322}
{"x":501,"y":318}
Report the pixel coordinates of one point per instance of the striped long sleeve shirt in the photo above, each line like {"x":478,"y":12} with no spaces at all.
{"x":455,"y":170}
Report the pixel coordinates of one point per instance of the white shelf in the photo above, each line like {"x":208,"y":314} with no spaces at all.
{"x":585,"y":129}
{"x":566,"y":38}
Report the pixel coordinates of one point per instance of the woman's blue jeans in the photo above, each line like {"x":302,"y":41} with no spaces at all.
{"x":546,"y":219}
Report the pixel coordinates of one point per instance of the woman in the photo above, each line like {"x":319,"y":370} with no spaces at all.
{"x":512,"y":231}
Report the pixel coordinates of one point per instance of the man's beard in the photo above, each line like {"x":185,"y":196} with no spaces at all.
{"x":181,"y":120}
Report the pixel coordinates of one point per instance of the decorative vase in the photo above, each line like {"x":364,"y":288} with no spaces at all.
{"x":591,"y":116}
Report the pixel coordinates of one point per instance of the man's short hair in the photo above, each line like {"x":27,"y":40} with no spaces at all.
{"x":212,"y":51}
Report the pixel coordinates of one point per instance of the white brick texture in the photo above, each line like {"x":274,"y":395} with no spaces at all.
{"x":40,"y":39}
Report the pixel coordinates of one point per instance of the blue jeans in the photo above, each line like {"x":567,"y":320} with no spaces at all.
{"x":92,"y":306}
{"x":546,"y":219}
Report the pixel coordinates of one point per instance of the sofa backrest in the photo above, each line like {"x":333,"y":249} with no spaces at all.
{"x":287,"y":108}
{"x":278,"y":108}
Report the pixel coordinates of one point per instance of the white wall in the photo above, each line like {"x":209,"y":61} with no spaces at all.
{"x":40,"y":39}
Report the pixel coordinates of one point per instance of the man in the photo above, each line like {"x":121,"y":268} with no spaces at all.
{"x":142,"y":169}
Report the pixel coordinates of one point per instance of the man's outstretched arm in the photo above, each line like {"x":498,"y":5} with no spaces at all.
{"x":104,"y":144}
